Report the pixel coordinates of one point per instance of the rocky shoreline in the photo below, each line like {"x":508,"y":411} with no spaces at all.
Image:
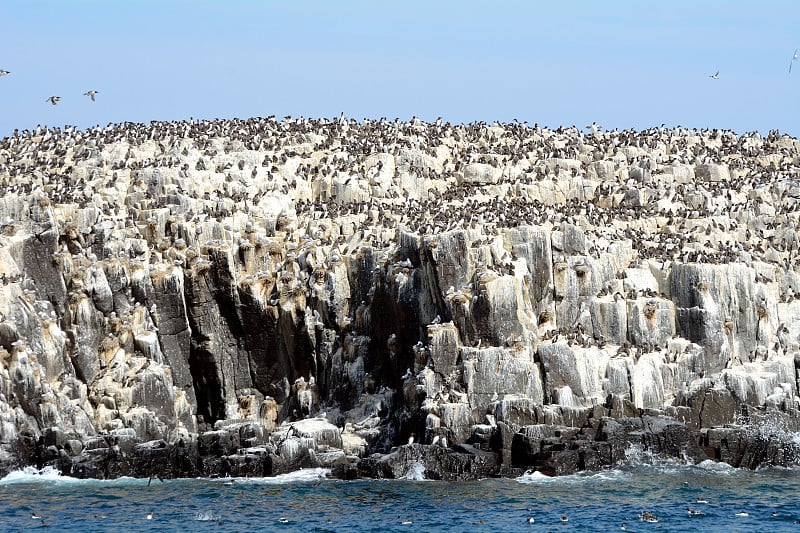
{"x":251,"y":297}
{"x":239,"y":451}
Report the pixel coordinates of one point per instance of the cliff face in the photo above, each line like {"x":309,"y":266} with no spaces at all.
{"x":194,"y":298}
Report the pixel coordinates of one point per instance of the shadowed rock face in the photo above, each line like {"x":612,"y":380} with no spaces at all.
{"x":248,"y":297}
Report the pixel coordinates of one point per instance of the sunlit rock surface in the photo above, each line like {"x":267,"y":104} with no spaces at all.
{"x":248,"y":297}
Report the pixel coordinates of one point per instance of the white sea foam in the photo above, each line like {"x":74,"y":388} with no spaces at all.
{"x":771,"y":428}
{"x":51,"y":475}
{"x":298,"y":476}
{"x":537,"y":478}
{"x":33,"y":474}
{"x":637,"y":461}
{"x":717,"y":467}
{"x":206,"y":516}
{"x":415,"y":473}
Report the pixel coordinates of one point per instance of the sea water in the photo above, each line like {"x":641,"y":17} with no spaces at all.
{"x":723,"y":498}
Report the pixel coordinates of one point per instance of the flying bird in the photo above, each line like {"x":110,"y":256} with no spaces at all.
{"x":91,"y":94}
{"x":7,"y":72}
{"x":794,"y":58}
{"x":715,"y":76}
{"x":53,"y":99}
{"x":594,"y":128}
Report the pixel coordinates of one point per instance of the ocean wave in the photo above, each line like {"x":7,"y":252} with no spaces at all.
{"x":415,"y":473}
{"x":31,"y":473}
{"x":611,"y":474}
{"x":637,"y":462}
{"x":717,"y":467}
{"x":49,"y":474}
{"x":778,"y":468}
{"x":298,"y":476}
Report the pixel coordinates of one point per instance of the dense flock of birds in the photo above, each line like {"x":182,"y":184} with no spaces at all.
{"x":613,"y":185}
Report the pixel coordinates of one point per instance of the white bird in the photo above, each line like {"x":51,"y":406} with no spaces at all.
{"x":150,"y":516}
{"x":435,"y":440}
{"x":794,"y":58}
{"x":7,"y":72}
{"x":594,"y":128}
{"x":53,"y":99}
{"x":411,"y":439}
{"x":443,"y":442}
{"x":91,"y":94}
{"x":715,"y":76}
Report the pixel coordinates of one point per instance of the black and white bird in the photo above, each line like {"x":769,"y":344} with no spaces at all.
{"x":715,"y":76}
{"x":53,"y":99}
{"x":7,"y":72}
{"x":794,"y":58}
{"x":91,"y":94}
{"x":594,"y":128}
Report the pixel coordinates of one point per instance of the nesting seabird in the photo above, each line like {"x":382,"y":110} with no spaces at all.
{"x":53,"y":99}
{"x":91,"y":94}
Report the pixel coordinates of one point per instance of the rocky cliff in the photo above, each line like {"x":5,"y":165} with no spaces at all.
{"x":253,"y":296}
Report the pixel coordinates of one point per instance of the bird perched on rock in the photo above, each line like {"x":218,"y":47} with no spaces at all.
{"x":53,"y":99}
{"x":91,"y":94}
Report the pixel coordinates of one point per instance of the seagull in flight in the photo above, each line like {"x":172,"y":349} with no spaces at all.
{"x":794,"y":58}
{"x":91,"y":94}
{"x":53,"y":99}
{"x":7,"y":72}
{"x":715,"y":76}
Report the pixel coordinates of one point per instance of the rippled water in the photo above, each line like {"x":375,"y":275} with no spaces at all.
{"x":307,"y":500}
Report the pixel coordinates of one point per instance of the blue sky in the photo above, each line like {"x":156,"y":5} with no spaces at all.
{"x":621,"y":63}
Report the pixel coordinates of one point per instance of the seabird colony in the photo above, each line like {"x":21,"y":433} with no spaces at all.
{"x":677,"y":194}
{"x":503,"y":242}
